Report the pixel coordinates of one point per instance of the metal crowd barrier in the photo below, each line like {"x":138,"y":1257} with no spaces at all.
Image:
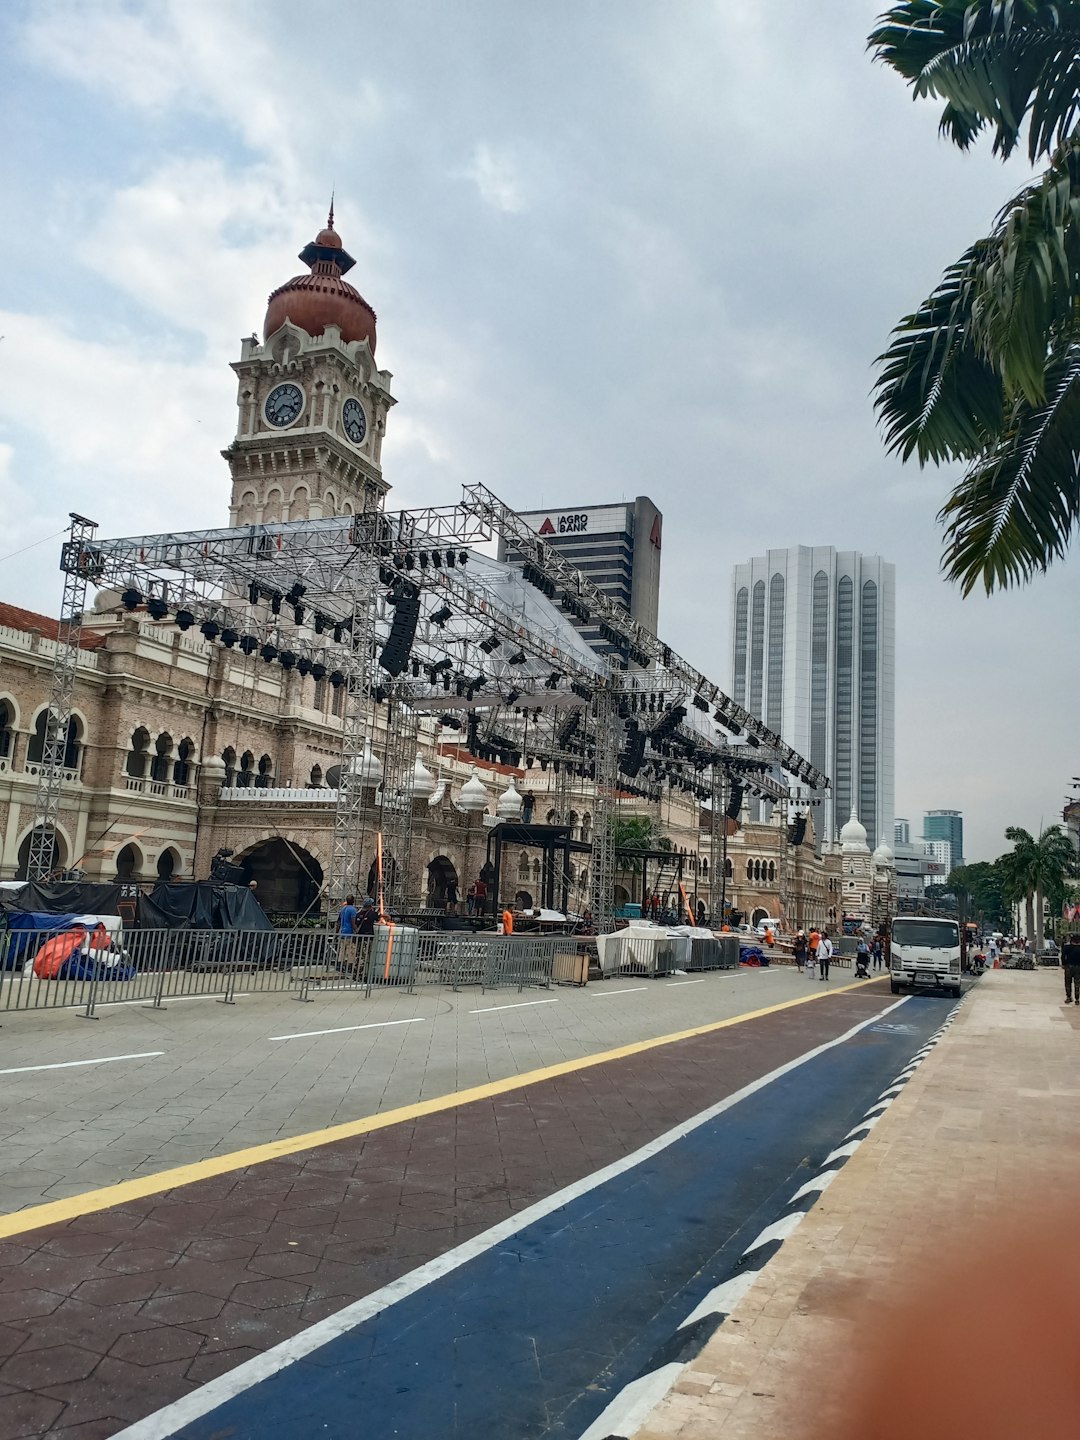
{"x":152,"y":966}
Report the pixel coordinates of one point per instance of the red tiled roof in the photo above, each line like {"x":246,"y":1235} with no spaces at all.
{"x":17,"y":618}
{"x":459,"y":752}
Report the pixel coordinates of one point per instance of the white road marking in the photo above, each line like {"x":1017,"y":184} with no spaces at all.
{"x":604,"y":994}
{"x":817,"y":1184}
{"x":344,"y":1029}
{"x":867,"y":1125}
{"x":778,"y":1230}
{"x":685,"y":982}
{"x":148,"y":1001}
{"x":191,"y":1407}
{"x":842,"y":1152}
{"x":521,"y":1005}
{"x":723,"y":1299}
{"x":631,"y":1407}
{"x":71,"y":1064}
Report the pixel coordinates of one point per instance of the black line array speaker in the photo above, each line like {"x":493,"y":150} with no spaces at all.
{"x":395,"y":653}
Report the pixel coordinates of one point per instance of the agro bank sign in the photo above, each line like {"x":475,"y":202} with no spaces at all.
{"x":596,"y":520}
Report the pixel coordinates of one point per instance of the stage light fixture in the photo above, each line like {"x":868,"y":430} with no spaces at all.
{"x":287,"y":660}
{"x":490,"y":644}
{"x":415,"y":668}
{"x":131,"y":599}
{"x":753,"y":740}
{"x":518,"y":658}
{"x":298,"y":590}
{"x":381,"y":694}
{"x":441,"y":616}
{"x":436,"y":559}
{"x":157,"y":609}
{"x":321,"y":622}
{"x":386,"y":575}
{"x":211,"y":629}
{"x":410,"y":560}
{"x":451,"y":558}
{"x":298,"y":615}
{"x":701,"y":704}
{"x":184,"y":619}
{"x":276,"y":598}
{"x":553,"y":679}
{"x":339,"y":633}
{"x":268,"y":652}
{"x":425,"y":559}
{"x":303,"y":666}
{"x":229,"y":638}
{"x":248,"y":644}
{"x":337,"y":679}
{"x":463,"y":557}
{"x":318,"y":670}
{"x":477,"y":682}
{"x":440,"y":665}
{"x":254,"y":593}
{"x":446,"y":681}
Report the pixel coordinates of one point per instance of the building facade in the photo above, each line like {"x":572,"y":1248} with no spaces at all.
{"x":617,"y":546}
{"x":948,"y":826}
{"x":814,"y":657}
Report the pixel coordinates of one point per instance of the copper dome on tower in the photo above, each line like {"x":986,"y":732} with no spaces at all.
{"x":322,"y":298}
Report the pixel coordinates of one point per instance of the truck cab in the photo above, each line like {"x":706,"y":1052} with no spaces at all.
{"x":925,"y":952}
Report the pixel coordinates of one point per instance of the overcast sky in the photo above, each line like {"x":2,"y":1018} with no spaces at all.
{"x":615,"y":248}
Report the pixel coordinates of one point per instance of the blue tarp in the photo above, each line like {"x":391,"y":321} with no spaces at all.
{"x":26,"y":928}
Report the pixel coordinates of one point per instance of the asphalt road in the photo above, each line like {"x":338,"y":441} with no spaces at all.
{"x":532,"y":1333}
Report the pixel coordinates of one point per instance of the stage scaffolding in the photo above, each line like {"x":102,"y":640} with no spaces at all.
{"x":494,"y":653}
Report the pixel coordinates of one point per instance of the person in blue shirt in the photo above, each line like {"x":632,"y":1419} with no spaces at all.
{"x":347,"y":916}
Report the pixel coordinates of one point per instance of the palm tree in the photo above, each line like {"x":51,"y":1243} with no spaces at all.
{"x":1035,"y":869}
{"x":987,"y":369}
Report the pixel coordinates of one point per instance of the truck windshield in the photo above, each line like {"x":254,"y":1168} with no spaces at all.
{"x":935,"y":934}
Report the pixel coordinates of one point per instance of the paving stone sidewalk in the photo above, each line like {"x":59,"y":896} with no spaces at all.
{"x":988,"y":1122}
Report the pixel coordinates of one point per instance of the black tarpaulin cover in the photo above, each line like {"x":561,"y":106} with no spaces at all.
{"x":201,"y":905}
{"x":66,"y":897}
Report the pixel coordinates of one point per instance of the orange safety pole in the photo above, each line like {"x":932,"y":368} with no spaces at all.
{"x":384,"y":918}
{"x":686,"y":902}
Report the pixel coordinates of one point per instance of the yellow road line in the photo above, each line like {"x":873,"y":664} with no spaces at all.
{"x":55,"y":1212}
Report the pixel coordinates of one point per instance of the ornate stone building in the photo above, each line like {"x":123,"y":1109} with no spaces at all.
{"x":179,"y":747}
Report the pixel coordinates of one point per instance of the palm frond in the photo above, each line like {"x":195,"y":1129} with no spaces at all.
{"x":1015,"y":510}
{"x":936,"y":395}
{"x":1006,"y":64}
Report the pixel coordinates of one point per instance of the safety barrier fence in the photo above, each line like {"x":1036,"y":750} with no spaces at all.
{"x":625,"y":953}
{"x":151,"y":967}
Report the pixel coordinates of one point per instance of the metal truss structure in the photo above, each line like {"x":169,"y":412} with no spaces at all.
{"x":494,"y":652}
{"x":79,"y":563}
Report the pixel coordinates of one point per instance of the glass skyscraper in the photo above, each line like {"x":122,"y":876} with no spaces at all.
{"x":946,"y":825}
{"x":814,"y":657}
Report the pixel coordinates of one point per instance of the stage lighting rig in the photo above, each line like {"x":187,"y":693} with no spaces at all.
{"x":156,"y":609}
{"x":441,"y":616}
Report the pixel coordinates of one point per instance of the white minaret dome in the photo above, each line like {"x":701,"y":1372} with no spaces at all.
{"x":422,"y":783}
{"x":853,"y":836}
{"x":473,"y":794}
{"x":367,"y":768}
{"x":883,"y":857}
{"x":510,"y":802}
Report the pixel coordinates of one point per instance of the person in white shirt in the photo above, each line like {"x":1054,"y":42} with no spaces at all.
{"x":824,"y":955}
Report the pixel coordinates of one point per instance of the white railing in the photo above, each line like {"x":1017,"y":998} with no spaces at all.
{"x":34,"y":767}
{"x":278,"y":794}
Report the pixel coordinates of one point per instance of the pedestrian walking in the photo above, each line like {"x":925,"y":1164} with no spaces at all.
{"x":470,"y":899}
{"x":814,"y":944}
{"x":824,"y":953}
{"x":1070,"y":959}
{"x":451,"y":897}
{"x":798,"y":949}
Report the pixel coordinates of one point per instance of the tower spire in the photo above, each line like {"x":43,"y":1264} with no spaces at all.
{"x":330,"y":219}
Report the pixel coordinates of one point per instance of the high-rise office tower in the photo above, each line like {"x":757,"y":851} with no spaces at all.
{"x":813,"y":656}
{"x":901,"y":832}
{"x":946,"y":825}
{"x":616,"y":546}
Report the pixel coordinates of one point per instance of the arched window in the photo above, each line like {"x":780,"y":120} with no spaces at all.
{"x":35,"y":751}
{"x":265,"y":777}
{"x":168,"y":864}
{"x":246,"y":778}
{"x":316,"y":777}
{"x":319,"y":701}
{"x":552,"y":817}
{"x":772,"y":872}
{"x":572,"y":821}
{"x":338,"y":705}
{"x":728,"y":871}
{"x":182,"y":768}
{"x":749,"y":870}
{"x":586,"y":826}
{"x":7,"y":730}
{"x":161,"y":764}
{"x":138,"y":757}
{"x":228,"y":758}
{"x":523,"y":866}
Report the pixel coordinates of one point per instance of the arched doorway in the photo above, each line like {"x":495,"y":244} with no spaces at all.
{"x":287,"y":877}
{"x":128,"y":863}
{"x":168,"y":864}
{"x":390,"y":869}
{"x":441,"y":874}
{"x":620,"y":897}
{"x":58,"y":856}
{"x":523,"y":899}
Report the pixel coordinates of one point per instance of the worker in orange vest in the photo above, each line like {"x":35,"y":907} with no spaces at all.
{"x":508,"y":921}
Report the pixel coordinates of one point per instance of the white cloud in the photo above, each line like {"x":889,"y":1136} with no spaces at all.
{"x":495,"y":173}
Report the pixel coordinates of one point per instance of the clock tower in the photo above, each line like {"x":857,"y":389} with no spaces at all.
{"x":312,"y":402}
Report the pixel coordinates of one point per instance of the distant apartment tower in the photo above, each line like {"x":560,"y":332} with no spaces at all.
{"x":814,"y":657}
{"x":901,"y":832}
{"x":946,"y":825}
{"x":616,"y":546}
{"x":940,"y":861}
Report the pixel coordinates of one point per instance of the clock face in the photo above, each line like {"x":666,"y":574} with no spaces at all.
{"x":354,"y":420}
{"x":284,"y":404}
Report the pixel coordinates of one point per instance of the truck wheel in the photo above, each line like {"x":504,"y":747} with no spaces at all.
{"x":894,"y":987}
{"x":958,"y":990}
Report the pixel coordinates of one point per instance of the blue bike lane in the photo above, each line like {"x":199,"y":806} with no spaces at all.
{"x":532,"y":1334}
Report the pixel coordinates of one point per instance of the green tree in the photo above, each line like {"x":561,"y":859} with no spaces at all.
{"x":983,"y":883}
{"x":636,"y":833}
{"x":1035,"y":869}
{"x":987,"y":370}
